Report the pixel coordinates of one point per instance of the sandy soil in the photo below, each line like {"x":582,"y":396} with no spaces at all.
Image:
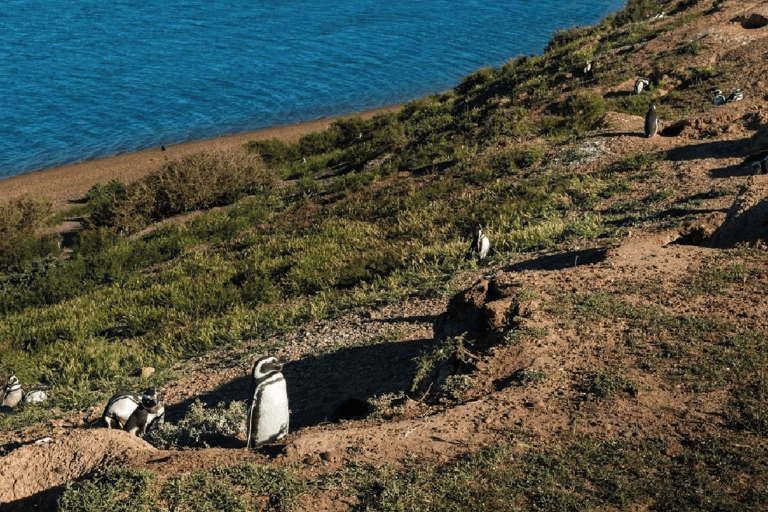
{"x":70,"y":182}
{"x":706,"y":156}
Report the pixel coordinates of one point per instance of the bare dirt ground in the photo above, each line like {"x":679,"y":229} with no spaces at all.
{"x":705,"y":156}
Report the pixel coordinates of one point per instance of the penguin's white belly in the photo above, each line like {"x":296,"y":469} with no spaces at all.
{"x":485,"y":246}
{"x":121,"y":410}
{"x":270,"y":417}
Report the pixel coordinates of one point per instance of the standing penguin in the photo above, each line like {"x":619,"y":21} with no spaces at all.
{"x":119,"y":408}
{"x":480,"y":245}
{"x":651,"y":121}
{"x":268,"y":413}
{"x":149,"y":413}
{"x":589,"y":70}
{"x":12,"y":394}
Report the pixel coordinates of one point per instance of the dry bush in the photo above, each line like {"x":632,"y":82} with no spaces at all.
{"x":199,"y":181}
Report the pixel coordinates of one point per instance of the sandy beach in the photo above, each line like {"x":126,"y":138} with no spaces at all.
{"x":68,"y":183}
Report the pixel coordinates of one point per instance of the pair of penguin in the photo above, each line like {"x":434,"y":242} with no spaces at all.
{"x":720,"y":98}
{"x":134,"y":413}
{"x":13,"y":393}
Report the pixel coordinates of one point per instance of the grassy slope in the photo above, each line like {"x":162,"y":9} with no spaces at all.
{"x":364,"y":213}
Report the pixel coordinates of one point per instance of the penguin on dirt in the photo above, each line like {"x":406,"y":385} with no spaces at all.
{"x":268,"y":414}
{"x":150,"y":413}
{"x":652,"y":123}
{"x":641,"y":85}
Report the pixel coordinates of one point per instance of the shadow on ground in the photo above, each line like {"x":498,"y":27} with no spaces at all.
{"x":318,"y":385}
{"x":560,"y":261}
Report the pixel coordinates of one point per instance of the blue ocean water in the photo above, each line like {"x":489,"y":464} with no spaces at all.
{"x":82,"y":79}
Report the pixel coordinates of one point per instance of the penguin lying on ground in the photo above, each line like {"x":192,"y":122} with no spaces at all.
{"x":736,"y":95}
{"x":35,"y":393}
{"x":640,"y":85}
{"x":268,"y":413}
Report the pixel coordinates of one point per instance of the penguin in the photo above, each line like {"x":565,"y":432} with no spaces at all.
{"x":736,"y":95}
{"x":641,"y":84}
{"x":651,"y":121}
{"x":755,"y":158}
{"x":35,"y":394}
{"x":588,"y":70}
{"x":12,"y":394}
{"x":480,"y":245}
{"x":119,"y":408}
{"x":149,"y":414}
{"x":761,"y":166}
{"x":719,"y":98}
{"x":268,"y":412}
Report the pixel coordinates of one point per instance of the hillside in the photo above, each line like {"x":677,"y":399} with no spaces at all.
{"x":611,"y":353}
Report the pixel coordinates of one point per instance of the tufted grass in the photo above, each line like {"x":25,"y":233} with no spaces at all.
{"x":711,"y":473}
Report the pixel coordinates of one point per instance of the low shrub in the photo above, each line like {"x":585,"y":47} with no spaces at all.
{"x":201,"y":426}
{"x":20,"y":221}
{"x":199,"y":181}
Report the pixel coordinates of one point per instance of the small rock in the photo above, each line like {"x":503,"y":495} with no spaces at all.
{"x":147,"y":372}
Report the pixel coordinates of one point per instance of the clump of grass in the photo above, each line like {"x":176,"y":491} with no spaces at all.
{"x":201,"y":426}
{"x":20,"y":221}
{"x":244,"y":487}
{"x":604,"y":385}
{"x":198,"y":181}
{"x":114,"y":488}
{"x":580,"y":113}
{"x":448,"y":358}
{"x":531,"y":332}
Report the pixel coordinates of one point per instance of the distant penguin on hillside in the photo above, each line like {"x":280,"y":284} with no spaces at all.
{"x":589,"y":71}
{"x":641,"y":84}
{"x":268,"y":414}
{"x":12,"y":393}
{"x":119,"y":409}
{"x":718,"y":98}
{"x":149,"y":414}
{"x":480,"y":246}
{"x":736,"y":95}
{"x":651,"y":121}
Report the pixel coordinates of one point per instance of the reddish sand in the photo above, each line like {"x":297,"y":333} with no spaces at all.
{"x":70,"y":182}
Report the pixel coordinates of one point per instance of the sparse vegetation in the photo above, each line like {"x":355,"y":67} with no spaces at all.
{"x":201,"y":425}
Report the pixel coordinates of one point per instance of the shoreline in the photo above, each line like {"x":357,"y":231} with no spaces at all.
{"x":66,"y":184}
